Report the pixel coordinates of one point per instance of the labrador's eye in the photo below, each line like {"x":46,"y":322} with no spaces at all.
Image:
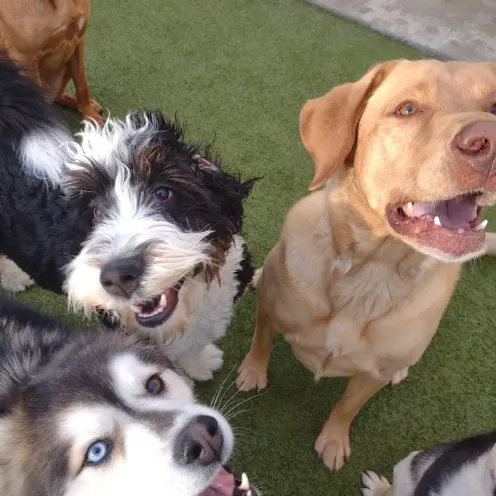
{"x":407,"y":109}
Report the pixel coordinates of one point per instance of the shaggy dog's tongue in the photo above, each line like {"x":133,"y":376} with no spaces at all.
{"x":226,"y":484}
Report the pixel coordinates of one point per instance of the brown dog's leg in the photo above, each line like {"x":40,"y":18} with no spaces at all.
{"x":253,"y":371}
{"x":333,"y":443}
{"x":75,"y":70}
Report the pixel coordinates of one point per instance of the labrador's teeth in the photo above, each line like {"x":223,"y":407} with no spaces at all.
{"x":409,"y":205}
{"x":461,"y":231}
{"x":437,"y":221}
{"x":136,"y":308}
{"x":163,"y":300}
{"x":481,"y":226}
{"x":245,"y":485}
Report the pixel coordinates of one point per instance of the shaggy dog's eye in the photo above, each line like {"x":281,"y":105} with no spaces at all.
{"x":407,"y":109}
{"x":98,"y":452}
{"x":163,"y":193}
{"x":154,"y":385}
{"x":493,"y":109}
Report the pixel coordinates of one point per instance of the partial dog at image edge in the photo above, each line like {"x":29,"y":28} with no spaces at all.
{"x":47,"y":39}
{"x":366,"y":266}
{"x":131,"y":221}
{"x":100,"y":413}
{"x":464,"y":468}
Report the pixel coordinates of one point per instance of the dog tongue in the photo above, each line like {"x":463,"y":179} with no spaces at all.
{"x":222,"y":485}
{"x":455,"y":213}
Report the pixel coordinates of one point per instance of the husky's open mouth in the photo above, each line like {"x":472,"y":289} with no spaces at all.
{"x":156,"y":311}
{"x":451,"y":226}
{"x":226,"y":483}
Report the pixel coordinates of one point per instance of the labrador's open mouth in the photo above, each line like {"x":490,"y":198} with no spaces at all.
{"x":451,"y":226}
{"x":156,"y":311}
{"x":226,"y":483}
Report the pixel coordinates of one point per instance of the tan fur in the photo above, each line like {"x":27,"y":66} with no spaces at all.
{"x":351,"y":296}
{"x":47,"y":37}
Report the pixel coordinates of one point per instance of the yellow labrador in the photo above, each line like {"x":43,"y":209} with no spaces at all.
{"x":364,"y":268}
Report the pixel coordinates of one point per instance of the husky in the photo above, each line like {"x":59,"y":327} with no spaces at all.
{"x":464,"y":468}
{"x":102,"y":413}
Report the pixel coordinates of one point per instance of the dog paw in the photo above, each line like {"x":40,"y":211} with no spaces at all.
{"x":374,"y":485}
{"x":252,"y":374}
{"x":201,"y":367}
{"x":333,"y":445}
{"x":12,"y":278}
{"x":400,"y":376}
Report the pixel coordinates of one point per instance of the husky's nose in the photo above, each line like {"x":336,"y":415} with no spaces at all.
{"x":477,"y":145}
{"x":200,"y":442}
{"x":121,"y":277}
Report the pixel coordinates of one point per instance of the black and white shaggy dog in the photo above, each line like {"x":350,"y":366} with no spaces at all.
{"x":130,"y":220}
{"x":93,"y":413}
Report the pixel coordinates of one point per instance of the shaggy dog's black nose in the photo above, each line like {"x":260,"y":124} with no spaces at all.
{"x":200,"y":442}
{"x":121,"y":277}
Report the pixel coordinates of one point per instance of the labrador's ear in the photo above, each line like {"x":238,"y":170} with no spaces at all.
{"x":328,"y":124}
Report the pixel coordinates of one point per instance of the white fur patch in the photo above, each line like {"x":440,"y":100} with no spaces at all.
{"x":43,"y":154}
{"x":130,"y":376}
{"x":12,"y":278}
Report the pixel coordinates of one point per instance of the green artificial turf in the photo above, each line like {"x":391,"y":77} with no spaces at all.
{"x":240,"y":70}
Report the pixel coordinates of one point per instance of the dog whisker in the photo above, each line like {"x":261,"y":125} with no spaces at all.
{"x":213,"y":403}
{"x":243,"y":402}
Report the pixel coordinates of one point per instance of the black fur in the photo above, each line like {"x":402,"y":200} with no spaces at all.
{"x":454,"y":456}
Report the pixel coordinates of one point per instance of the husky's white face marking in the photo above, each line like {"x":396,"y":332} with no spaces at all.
{"x":130,"y":375}
{"x":160,"y":218}
{"x":139,"y":441}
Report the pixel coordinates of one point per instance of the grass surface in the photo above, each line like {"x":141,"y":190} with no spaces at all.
{"x":241,"y":69}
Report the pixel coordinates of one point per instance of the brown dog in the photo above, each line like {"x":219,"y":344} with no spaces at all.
{"x":364,"y":269}
{"x":47,"y":37}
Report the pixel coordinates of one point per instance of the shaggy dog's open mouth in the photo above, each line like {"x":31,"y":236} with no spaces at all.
{"x":451,"y":226}
{"x":226,"y":483}
{"x":156,"y":311}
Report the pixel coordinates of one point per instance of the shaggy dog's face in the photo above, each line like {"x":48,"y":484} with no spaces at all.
{"x":164,"y":217}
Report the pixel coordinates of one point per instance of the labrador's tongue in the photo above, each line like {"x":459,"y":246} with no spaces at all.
{"x":455,"y":213}
{"x":222,"y":485}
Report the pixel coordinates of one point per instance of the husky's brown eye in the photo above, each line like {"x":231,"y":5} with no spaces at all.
{"x":154,"y":385}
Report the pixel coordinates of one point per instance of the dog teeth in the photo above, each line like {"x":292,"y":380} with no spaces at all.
{"x":461,"y":231}
{"x":481,"y":226}
{"x":136,"y":308}
{"x":245,"y":485}
{"x":163,"y":300}
{"x":437,"y":221}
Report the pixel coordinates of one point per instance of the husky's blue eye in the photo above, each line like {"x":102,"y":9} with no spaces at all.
{"x":163,"y":193}
{"x":493,"y":109}
{"x":98,"y":452}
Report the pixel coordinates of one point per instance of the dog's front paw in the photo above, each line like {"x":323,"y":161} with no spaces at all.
{"x":201,"y":367}
{"x":252,"y":374}
{"x":12,"y":278}
{"x":374,"y":485}
{"x":333,"y":444}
